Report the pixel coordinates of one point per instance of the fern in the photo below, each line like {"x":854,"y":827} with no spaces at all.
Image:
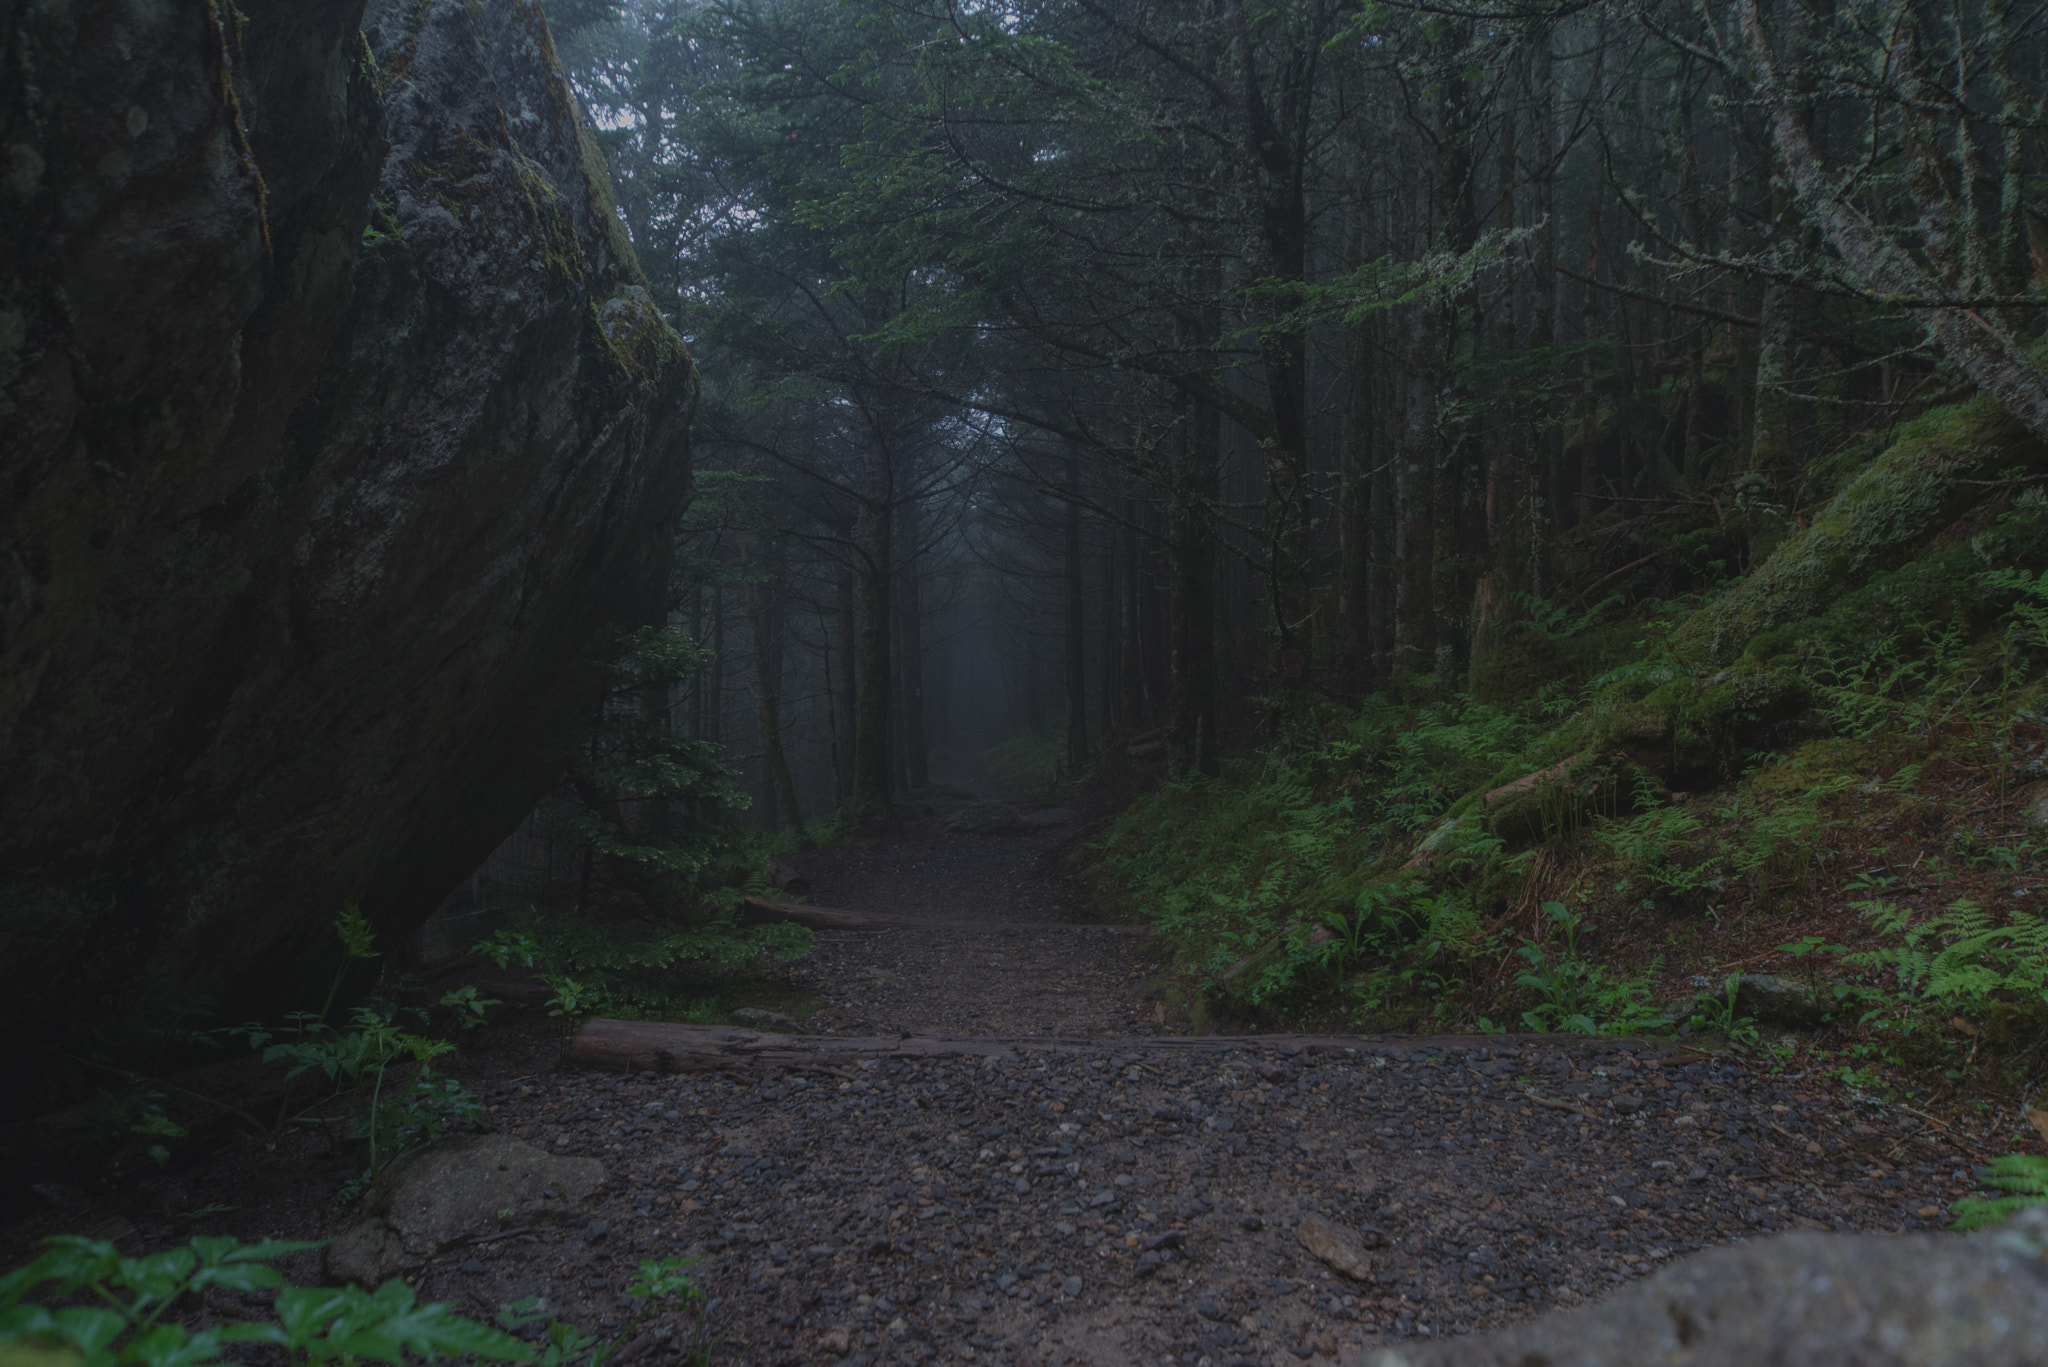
{"x":2023,"y":1174}
{"x":1963,"y":958}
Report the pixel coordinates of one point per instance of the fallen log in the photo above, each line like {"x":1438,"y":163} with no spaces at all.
{"x":761,"y":909}
{"x":817,"y":918}
{"x":786,"y":878}
{"x":662,"y":1047}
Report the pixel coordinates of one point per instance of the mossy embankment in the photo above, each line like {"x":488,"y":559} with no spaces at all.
{"x":1807,"y":772}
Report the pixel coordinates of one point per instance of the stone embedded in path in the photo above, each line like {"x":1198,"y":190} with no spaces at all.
{"x":1341,"y":1249}
{"x":457,"y":1190}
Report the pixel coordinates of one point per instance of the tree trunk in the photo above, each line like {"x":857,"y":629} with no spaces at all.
{"x":1415,"y":493}
{"x":844,"y":701}
{"x":1076,"y":603}
{"x":910,"y":622}
{"x":1191,"y":606}
{"x":1131,"y":669}
{"x":873,"y":571}
{"x":1110,"y":636}
{"x":767,"y":601}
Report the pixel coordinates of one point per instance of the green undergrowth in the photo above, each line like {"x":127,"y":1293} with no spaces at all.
{"x":642,"y":971}
{"x":1033,"y":763}
{"x":82,"y":1303}
{"x":1824,"y":770}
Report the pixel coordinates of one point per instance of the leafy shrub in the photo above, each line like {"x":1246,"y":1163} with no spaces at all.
{"x":83,"y":1304}
{"x":122,"y":1308}
{"x":643,"y":785}
{"x":591,"y":968}
{"x":1574,"y":994}
{"x":381,"y":1094}
{"x":1275,"y":851}
{"x":383,"y":1114}
{"x":1719,"y":1013}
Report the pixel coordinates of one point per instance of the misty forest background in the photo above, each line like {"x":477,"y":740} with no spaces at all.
{"x":1472,"y":474}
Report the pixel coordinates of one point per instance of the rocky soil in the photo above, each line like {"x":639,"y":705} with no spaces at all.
{"x":1114,"y":1201}
{"x":1124,"y":1205}
{"x":1001,"y":953}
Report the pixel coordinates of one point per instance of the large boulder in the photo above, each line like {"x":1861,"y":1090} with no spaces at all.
{"x":337,"y":428}
{"x":458,"y":1190}
{"x":1797,"y":1300}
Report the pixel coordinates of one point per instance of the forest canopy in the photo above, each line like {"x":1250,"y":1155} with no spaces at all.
{"x":1090,"y":367}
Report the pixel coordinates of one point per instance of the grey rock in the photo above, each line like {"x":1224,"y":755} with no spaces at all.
{"x":1816,"y":1300}
{"x":1773,"y":1000}
{"x":1336,"y":1247}
{"x":1071,"y":1287}
{"x":455,"y":1191}
{"x":303,"y":522}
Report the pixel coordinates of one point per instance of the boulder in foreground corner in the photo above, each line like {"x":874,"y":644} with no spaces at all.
{"x":1814,"y":1300}
{"x":455,"y":1191}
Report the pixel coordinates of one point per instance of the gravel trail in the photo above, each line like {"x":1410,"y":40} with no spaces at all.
{"x":1109,"y":1203}
{"x":1126,"y":1205}
{"x":1141,"y":1208}
{"x":1002,"y":953}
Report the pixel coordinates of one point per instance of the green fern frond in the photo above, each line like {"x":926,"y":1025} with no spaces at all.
{"x":2024,"y":1174}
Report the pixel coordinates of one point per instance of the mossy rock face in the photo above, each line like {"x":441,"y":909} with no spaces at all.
{"x":346,"y":432}
{"x":1931,"y":474}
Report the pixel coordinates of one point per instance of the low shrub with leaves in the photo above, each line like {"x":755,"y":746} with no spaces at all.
{"x":369,"y":1083}
{"x":391,"y":1101}
{"x":636,"y":970}
{"x":1264,"y":859}
{"x":84,"y":1304}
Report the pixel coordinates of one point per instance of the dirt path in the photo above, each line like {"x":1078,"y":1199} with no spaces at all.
{"x":1023,"y":968}
{"x":1123,"y":1204}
